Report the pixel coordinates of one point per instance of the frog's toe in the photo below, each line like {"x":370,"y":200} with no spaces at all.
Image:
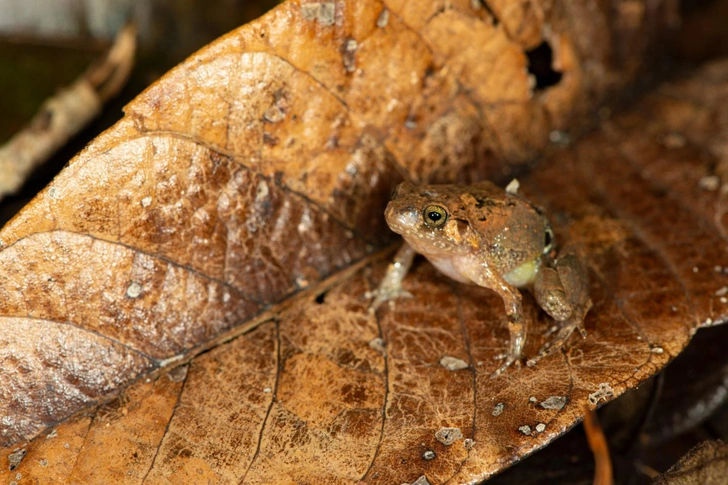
{"x":386,"y":294}
{"x":563,"y":334}
{"x":509,"y":360}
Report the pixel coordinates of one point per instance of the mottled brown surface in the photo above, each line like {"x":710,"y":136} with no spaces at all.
{"x":706,"y":464}
{"x":309,"y":398}
{"x":260,"y":167}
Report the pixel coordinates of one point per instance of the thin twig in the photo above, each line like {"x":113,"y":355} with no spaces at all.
{"x":66,"y":113}
{"x":598,"y":445}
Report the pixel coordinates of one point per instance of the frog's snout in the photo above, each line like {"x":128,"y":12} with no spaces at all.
{"x":401,"y":219}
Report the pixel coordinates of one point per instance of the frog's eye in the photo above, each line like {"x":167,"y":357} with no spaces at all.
{"x":548,"y":241}
{"x":434,"y":215}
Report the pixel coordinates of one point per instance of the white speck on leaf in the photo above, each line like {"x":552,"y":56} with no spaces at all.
{"x":261,"y":191}
{"x":421,"y":481}
{"x":383,"y":18}
{"x":349,"y":58}
{"x":134,"y":290}
{"x":604,"y":392}
{"x":448,"y":436}
{"x":498,"y":409}
{"x":711,"y":183}
{"x":453,"y":363}
{"x":379,"y":345}
{"x":554,"y":402}
{"x":322,"y":12}
{"x":525,"y":429}
{"x":146,"y":201}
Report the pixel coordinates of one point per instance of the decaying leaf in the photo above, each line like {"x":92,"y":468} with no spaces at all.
{"x":258,"y":170}
{"x":706,"y":464}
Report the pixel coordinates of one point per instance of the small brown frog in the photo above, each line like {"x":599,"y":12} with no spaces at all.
{"x":484,"y":235}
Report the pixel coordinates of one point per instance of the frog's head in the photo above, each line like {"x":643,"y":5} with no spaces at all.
{"x":427,"y":217}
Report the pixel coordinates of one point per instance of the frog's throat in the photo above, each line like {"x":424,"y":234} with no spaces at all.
{"x":523,"y":275}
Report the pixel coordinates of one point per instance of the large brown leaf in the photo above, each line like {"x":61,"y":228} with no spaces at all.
{"x":260,"y":167}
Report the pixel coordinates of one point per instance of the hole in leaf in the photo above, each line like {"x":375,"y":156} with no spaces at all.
{"x":540,"y":61}
{"x":321,"y":298}
{"x":490,"y":11}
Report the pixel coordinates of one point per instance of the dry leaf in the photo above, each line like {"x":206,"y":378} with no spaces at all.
{"x":706,"y":464}
{"x":259,"y":168}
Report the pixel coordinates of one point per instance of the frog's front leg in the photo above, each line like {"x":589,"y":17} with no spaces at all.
{"x":391,"y":286}
{"x":512,"y":301}
{"x":562,"y":291}
{"x":486,"y":277}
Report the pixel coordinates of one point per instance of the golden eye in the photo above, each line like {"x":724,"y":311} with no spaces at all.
{"x":548,"y":240}
{"x":434,"y":215}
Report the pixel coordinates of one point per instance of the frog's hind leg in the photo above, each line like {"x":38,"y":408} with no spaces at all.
{"x":562,"y":291}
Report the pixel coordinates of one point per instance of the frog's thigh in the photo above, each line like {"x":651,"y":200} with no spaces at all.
{"x":573,"y":276}
{"x":551,"y":295}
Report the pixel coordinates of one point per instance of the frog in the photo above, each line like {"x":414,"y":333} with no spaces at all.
{"x":495,"y":238}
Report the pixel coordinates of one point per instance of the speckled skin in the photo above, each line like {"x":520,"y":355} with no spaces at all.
{"x":492,"y":238}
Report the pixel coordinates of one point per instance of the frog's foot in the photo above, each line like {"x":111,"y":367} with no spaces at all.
{"x":565,"y":329}
{"x":386,"y":292}
{"x":508,"y":360}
